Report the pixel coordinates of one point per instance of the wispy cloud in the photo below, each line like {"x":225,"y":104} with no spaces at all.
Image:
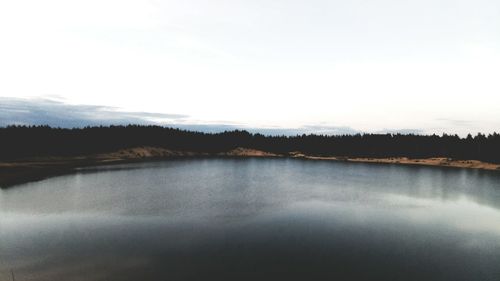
{"x":329,"y":129}
{"x":56,"y":113}
{"x":456,"y":122}
{"x":42,"y":111}
{"x":270,"y":131}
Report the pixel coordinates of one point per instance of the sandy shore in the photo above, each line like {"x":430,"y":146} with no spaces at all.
{"x":438,"y":161}
{"x":22,"y":171}
{"x":27,"y":170}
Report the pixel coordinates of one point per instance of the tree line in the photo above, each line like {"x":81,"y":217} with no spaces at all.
{"x":17,"y":142}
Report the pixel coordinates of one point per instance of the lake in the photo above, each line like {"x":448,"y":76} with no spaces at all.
{"x":253,"y":219}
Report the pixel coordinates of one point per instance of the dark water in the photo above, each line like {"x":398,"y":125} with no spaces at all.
{"x":254,"y":219}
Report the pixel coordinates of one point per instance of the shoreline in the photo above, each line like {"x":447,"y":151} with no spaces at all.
{"x":29,"y":170}
{"x":430,"y":162}
{"x":21,"y":171}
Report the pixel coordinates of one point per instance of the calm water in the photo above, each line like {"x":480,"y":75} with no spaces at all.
{"x":253,"y":219}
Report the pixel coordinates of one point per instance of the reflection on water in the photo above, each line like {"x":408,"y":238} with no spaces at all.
{"x":254,"y":219}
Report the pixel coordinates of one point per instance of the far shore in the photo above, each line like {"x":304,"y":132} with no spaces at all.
{"x":28,"y":170}
{"x":435,"y":161}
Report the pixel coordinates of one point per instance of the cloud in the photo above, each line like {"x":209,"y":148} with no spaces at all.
{"x":330,"y":130}
{"x":45,"y":111}
{"x":456,"y":122}
{"x":273,"y":131}
{"x":42,"y":111}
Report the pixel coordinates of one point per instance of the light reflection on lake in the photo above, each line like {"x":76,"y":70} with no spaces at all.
{"x":254,"y":219}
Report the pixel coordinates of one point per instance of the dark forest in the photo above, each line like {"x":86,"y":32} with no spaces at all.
{"x":21,"y":142}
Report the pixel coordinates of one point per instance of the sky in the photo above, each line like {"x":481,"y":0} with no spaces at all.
{"x":427,"y":66}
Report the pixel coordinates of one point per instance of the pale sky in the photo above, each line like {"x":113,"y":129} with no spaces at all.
{"x":373,"y":65}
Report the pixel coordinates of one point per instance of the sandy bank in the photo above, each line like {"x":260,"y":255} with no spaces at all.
{"x":21,"y":171}
{"x":438,"y":161}
{"x":26,"y":170}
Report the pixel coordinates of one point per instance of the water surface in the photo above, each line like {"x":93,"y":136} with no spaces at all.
{"x":253,"y":219}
